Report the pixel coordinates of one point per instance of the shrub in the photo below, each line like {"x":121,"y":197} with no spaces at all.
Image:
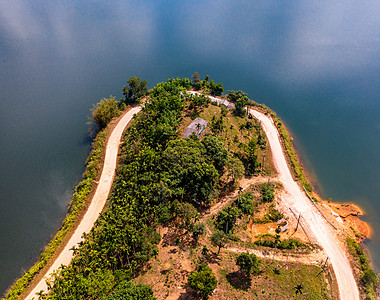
{"x":105,"y":111}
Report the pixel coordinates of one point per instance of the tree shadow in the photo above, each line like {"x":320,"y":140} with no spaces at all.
{"x":189,"y":294}
{"x":239,"y":280}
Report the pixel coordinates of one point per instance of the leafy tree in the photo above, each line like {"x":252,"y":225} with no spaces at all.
{"x":216,"y":89}
{"x":235,"y":168}
{"x":217,"y":124}
{"x":136,"y":90}
{"x":369,"y":279}
{"x":248,"y":263}
{"x":219,"y":239}
{"x":189,"y":174}
{"x":215,"y":151}
{"x":197,"y":82}
{"x":198,"y":230}
{"x":203,"y":281}
{"x":227,"y":217}
{"x":186,"y":213}
{"x":250,"y":158}
{"x":245,"y":203}
{"x":240,"y":99}
{"x":127,"y":290}
{"x":105,"y":111}
{"x":267,"y":192}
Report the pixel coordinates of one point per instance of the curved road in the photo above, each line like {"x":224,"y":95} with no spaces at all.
{"x":297,"y":200}
{"x":98,"y":201}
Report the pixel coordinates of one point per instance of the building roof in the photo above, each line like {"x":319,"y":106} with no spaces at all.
{"x":194,"y":128}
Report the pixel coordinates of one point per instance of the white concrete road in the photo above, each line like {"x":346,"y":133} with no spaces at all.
{"x":298,"y":201}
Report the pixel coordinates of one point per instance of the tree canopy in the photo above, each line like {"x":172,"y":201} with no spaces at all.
{"x":248,"y":263}
{"x":137,"y":89}
{"x":203,"y":281}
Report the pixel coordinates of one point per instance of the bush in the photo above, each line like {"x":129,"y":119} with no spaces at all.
{"x":105,"y":111}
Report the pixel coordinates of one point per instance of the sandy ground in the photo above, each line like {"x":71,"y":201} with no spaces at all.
{"x":97,"y":202}
{"x":295,"y":198}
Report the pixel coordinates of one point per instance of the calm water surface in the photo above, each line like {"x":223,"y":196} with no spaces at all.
{"x":316,"y":63}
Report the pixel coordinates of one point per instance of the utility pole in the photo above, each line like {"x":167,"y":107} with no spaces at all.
{"x":299,"y":217}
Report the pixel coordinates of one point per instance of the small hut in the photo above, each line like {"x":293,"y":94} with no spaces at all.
{"x":196,"y":127}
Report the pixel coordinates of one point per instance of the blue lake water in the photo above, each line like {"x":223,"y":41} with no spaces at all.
{"x":316,"y":63}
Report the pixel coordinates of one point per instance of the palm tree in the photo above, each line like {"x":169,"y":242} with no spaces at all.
{"x":298,"y":289}
{"x":198,"y":127}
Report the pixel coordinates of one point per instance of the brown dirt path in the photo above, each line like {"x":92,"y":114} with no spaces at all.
{"x":97,"y":203}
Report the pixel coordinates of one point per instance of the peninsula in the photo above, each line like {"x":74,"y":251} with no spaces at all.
{"x":226,"y":212}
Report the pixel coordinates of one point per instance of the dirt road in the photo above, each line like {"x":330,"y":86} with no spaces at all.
{"x":297,"y":200}
{"x":97,"y":202}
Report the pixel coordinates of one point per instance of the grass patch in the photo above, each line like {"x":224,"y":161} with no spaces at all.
{"x":277,"y":280}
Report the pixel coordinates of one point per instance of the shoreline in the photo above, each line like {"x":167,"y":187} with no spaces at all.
{"x":77,"y":208}
{"x":315,"y":191}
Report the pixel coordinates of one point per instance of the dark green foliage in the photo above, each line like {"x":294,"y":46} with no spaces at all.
{"x":234,"y":168}
{"x":105,"y":111}
{"x":240,"y":99}
{"x":197,"y":103}
{"x":245,"y":203}
{"x":136,"y":90}
{"x":267,"y":192}
{"x":248,"y":263}
{"x":250,"y":158}
{"x":127,"y":290}
{"x":190,"y":175}
{"x":369,"y":279}
{"x":216,"y":89}
{"x":227,"y":218}
{"x":217,"y":124}
{"x":215,"y":152}
{"x":197,"y":82}
{"x":203,"y":281}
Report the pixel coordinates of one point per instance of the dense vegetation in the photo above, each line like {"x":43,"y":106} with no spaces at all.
{"x":160,"y":178}
{"x":163,"y":179}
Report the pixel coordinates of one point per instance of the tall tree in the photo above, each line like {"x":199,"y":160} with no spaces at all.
{"x":197,"y":82}
{"x":136,"y":90}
